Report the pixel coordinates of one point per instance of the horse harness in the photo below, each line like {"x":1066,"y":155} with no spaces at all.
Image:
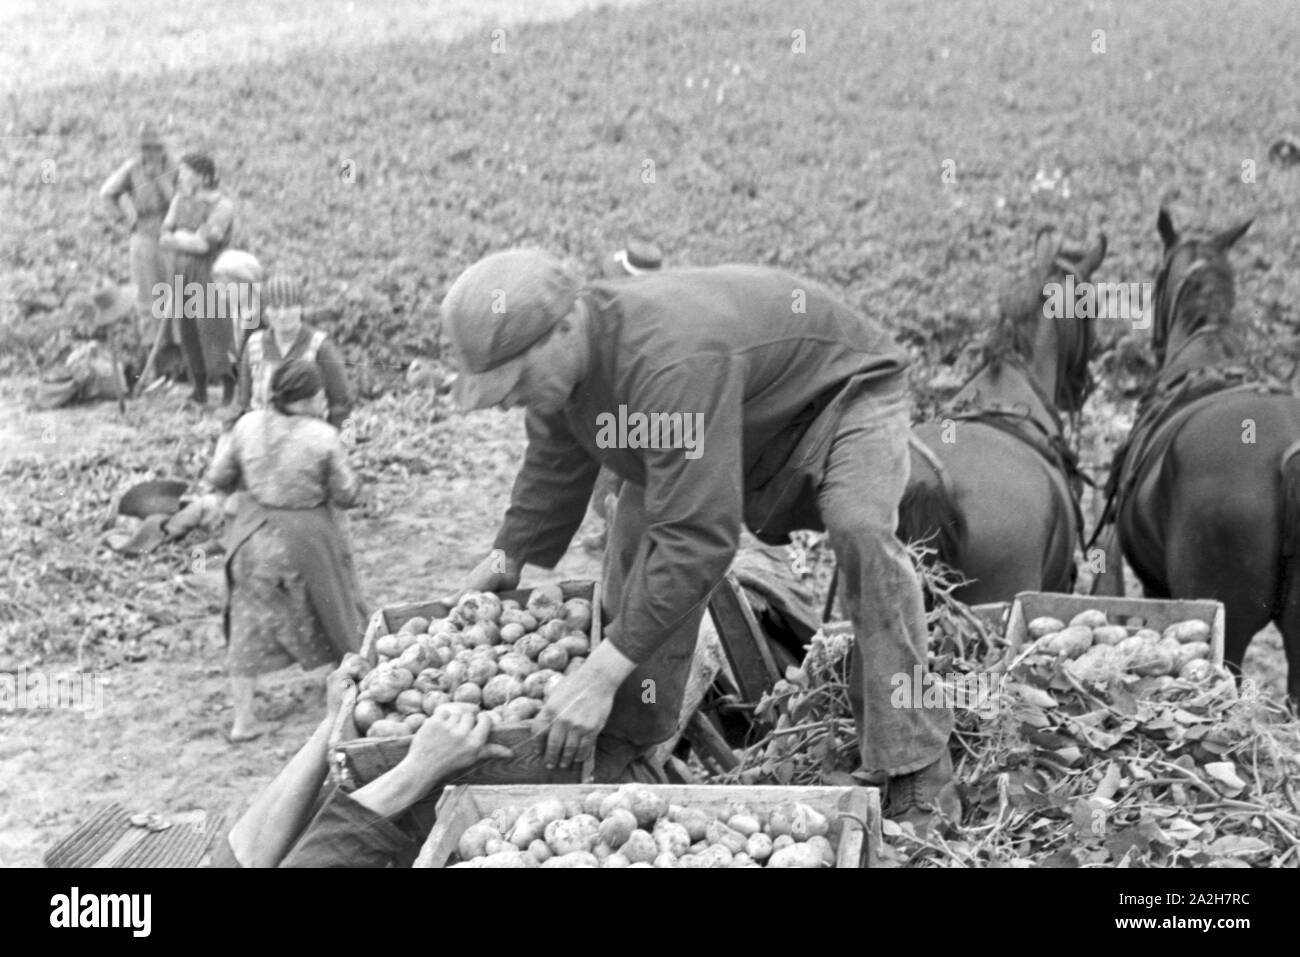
{"x":1017,"y":422}
{"x":1161,"y":416}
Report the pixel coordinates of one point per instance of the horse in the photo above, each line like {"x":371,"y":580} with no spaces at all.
{"x":994,"y":485}
{"x":1205,"y":493}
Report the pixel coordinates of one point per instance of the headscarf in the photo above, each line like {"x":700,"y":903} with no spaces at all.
{"x":292,"y":381}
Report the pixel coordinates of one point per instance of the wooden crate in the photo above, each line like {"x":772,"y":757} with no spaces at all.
{"x":852,"y":807}
{"x":355,"y":760}
{"x":1132,"y":613}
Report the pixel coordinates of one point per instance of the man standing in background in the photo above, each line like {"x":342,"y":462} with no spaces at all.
{"x":141,"y":191}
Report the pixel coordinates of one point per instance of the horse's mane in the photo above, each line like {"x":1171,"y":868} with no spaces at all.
{"x":1020,"y":309}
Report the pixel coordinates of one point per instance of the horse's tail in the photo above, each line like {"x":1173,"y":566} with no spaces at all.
{"x":927,"y":513}
{"x":1290,"y":523}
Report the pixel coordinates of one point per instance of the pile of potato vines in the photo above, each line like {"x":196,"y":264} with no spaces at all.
{"x":1064,"y":766}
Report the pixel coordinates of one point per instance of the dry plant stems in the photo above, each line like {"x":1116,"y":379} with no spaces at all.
{"x":1055,"y":771}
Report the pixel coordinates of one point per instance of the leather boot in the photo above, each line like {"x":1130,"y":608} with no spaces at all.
{"x":919,"y":796}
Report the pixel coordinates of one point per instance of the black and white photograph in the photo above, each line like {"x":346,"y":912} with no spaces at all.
{"x":620,"y":434}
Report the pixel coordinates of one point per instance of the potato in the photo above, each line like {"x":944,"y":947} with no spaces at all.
{"x":590,"y":802}
{"x":387,"y":728}
{"x":828,"y":852}
{"x":552,"y":630}
{"x":640,"y":846}
{"x":671,"y":838}
{"x":453,"y":674}
{"x":473,"y":842}
{"x":577,"y":614}
{"x":759,"y":847}
{"x":617,"y":827}
{"x":1109,"y":634}
{"x":1152,"y":659}
{"x":665,"y":860}
{"x":516,"y":665}
{"x":574,"y":665}
{"x":443,"y":626}
{"x":520,"y":709}
{"x":781,"y":841}
{"x":517,"y":616}
{"x":1196,"y":670}
{"x":694,"y":820}
{"x":614,"y":801}
{"x":553,"y":658}
{"x":535,"y":684}
{"x":540,"y":851}
{"x":797,"y":855}
{"x":512,"y":632}
{"x":574,"y":645}
{"x":1091,"y":618}
{"x":647,"y":805}
{"x":686,"y":860}
{"x":481,"y":671}
{"x":1071,"y":642}
{"x":1044,"y":626}
{"x":414,"y":720}
{"x":500,"y":690}
{"x":531,"y":824}
{"x":366,"y":713}
{"x":455,"y":707}
{"x":1190,"y":651}
{"x":779,"y":821}
{"x":1098,"y":665}
{"x":531,"y":646}
{"x":388,"y":645}
{"x":602,"y":851}
{"x":717,"y":855}
{"x":504,"y":817}
{"x":741,"y":860}
{"x":389,"y":682}
{"x":427,"y":680}
{"x":568,"y":836}
{"x":1147,"y":633}
{"x":551,"y":684}
{"x":546,"y":602}
{"x":576,"y":859}
{"x":719,"y":833}
{"x":414,"y":626}
{"x":468,"y":693}
{"x":409,"y":702}
{"x":429,"y":703}
{"x":1188,"y":631}
{"x":1131,"y":646}
{"x":617,"y":860}
{"x":508,"y":859}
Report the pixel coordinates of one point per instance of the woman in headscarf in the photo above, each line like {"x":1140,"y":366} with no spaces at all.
{"x":196,"y":230}
{"x":291,"y":585}
{"x":141,"y":190}
{"x":288,"y":337}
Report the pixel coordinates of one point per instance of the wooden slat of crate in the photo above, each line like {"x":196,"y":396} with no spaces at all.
{"x":852,"y":807}
{"x":355,"y":760}
{"x":1156,"y":613}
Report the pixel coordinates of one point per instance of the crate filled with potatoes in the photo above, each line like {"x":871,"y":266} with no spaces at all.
{"x":1097,"y":639}
{"x":651,"y":825}
{"x":501,"y":655}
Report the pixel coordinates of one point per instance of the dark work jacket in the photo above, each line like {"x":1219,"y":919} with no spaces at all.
{"x":757,"y":356}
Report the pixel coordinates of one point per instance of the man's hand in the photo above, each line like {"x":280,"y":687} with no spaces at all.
{"x":497,"y":572}
{"x":352,"y":669}
{"x":576,"y":713}
{"x":447,"y":743}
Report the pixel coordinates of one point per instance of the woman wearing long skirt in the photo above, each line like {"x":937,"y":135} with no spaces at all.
{"x":291,"y":586}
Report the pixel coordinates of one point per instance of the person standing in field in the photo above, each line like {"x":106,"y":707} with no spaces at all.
{"x":141,"y":191}
{"x":288,"y":337}
{"x":291,"y":585}
{"x":195,"y":231}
